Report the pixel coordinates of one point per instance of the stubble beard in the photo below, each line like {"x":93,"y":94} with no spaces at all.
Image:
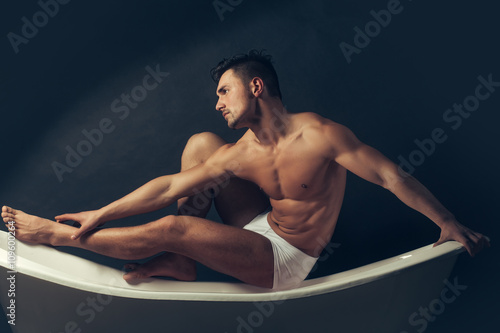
{"x":233,"y":121}
{"x":233,"y":124}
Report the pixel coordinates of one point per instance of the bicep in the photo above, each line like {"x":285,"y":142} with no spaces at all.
{"x":361,"y":159}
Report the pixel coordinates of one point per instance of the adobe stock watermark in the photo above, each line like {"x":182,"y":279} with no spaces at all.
{"x":373,"y":28}
{"x":222,"y":6}
{"x":11,"y":261}
{"x":420,"y":319}
{"x":453,"y":117}
{"x":255,"y":319}
{"x":30,"y":27}
{"x":121,"y":107}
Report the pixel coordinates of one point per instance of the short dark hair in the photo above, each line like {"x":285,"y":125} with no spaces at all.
{"x":247,"y":66}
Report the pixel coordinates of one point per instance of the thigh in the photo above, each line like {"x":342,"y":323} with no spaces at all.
{"x":240,"y":253}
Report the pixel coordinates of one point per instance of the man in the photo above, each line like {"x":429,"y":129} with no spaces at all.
{"x":298,"y":160}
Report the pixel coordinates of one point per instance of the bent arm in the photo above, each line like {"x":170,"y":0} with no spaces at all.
{"x":373,"y":166}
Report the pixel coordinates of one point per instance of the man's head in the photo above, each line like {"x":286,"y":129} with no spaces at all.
{"x":248,"y":66}
{"x":241,"y":79}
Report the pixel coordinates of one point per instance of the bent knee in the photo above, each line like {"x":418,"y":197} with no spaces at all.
{"x":203,"y":145}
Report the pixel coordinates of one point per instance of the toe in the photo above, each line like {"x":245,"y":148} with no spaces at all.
{"x":135,"y":272}
{"x":133,"y":277}
{"x":130,"y":267}
{"x":10,"y":210}
{"x":7,"y":217}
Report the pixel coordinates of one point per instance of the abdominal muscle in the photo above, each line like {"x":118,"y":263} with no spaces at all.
{"x":307,"y":224}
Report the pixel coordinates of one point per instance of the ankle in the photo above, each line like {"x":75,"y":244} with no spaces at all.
{"x":59,"y":236}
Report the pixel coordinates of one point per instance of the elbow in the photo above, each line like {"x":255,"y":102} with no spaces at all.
{"x":167,"y":197}
{"x":166,"y":194}
{"x":389,"y":185}
{"x":392,"y":178}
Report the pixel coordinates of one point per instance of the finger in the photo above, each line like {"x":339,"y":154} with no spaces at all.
{"x":440,"y":241}
{"x":484,"y":239}
{"x":479,"y":246}
{"x":469,"y":247}
{"x":475,"y":236}
{"x":79,"y":232}
{"x":480,"y":242}
{"x":487,"y":239}
{"x":467,"y":241}
{"x":64,"y":217}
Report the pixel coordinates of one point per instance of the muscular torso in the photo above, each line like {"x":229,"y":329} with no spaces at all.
{"x":305,"y":185}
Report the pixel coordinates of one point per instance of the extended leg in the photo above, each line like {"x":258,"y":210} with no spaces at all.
{"x":237,"y":202}
{"x":230,"y":250}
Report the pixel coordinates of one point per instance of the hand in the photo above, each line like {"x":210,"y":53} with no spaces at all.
{"x":88,"y":220}
{"x":473,"y":242}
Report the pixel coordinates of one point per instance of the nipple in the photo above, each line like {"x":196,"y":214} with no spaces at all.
{"x":304,"y":186}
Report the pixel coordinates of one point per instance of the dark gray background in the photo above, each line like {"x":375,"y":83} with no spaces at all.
{"x":394,"y":91}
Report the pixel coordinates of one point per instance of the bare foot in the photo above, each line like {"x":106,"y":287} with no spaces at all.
{"x":30,"y":228}
{"x":168,"y":264}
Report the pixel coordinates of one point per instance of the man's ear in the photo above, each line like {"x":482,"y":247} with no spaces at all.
{"x":257,"y":86}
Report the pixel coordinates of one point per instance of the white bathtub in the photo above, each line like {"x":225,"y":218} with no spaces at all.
{"x":57,"y":292}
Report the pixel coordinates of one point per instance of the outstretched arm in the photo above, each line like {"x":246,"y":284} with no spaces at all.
{"x":371,"y":165}
{"x":156,"y":194}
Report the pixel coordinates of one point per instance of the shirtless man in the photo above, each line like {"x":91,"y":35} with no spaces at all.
{"x":298,"y":160}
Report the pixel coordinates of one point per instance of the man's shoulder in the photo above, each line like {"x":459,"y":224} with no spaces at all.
{"x":310,"y":117}
{"x":325,"y":135}
{"x":315,"y":123}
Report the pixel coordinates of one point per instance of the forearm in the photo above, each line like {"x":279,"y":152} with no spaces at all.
{"x":151,"y":196}
{"x":371,"y":165}
{"x":415,"y":195}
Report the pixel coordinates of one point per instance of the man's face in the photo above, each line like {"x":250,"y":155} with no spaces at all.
{"x":234,"y":100}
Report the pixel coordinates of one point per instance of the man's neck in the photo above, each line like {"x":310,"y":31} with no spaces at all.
{"x":272,"y":122}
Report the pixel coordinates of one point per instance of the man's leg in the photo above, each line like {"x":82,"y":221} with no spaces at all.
{"x":240,"y":253}
{"x":237,"y":202}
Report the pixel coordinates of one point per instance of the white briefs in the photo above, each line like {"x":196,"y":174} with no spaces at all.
{"x":291,"y":265}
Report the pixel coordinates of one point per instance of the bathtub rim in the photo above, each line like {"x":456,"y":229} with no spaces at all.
{"x":225,"y":291}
